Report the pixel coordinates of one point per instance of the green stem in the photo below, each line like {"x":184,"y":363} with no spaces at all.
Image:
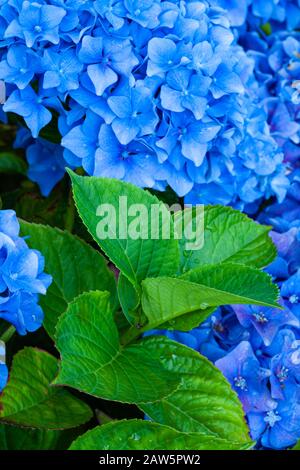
{"x":102,"y":417}
{"x":8,"y":334}
{"x":130,"y":335}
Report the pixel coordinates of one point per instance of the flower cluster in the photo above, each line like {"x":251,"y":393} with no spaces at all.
{"x":152,"y":92}
{"x":21,"y":281}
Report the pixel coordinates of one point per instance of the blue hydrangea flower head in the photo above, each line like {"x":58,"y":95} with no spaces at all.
{"x":145,"y":68}
{"x":22,"y":277}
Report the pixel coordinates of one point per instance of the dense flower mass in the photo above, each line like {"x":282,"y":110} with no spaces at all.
{"x":153,"y":92}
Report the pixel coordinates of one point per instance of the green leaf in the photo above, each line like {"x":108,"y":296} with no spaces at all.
{"x":204,"y":401}
{"x":189,"y":321}
{"x":11,"y":163}
{"x":94,"y":362}
{"x":29,"y":400}
{"x":143,"y":435}
{"x":16,"y":438}
{"x":164,"y":299}
{"x":129,"y":299}
{"x":229,"y":236}
{"x":136,"y":259}
{"x":75,"y":267}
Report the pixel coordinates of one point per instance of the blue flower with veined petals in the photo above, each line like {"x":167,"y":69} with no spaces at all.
{"x":205,"y":59}
{"x":246,"y":376}
{"x":113,"y":11}
{"x":280,"y":425}
{"x":191,"y":136}
{"x":36,"y":22}
{"x":164,"y":55}
{"x":105,"y":59}
{"x":135,"y":163}
{"x":22,"y":269}
{"x":23,"y":312}
{"x":82,"y":141}
{"x":225,"y":81}
{"x":61,"y":70}
{"x":144,"y":12}
{"x":19,"y":66}
{"x":265,"y":320}
{"x":135,"y":114}
{"x":285,"y":368}
{"x":185,"y":90}
{"x":30,"y":106}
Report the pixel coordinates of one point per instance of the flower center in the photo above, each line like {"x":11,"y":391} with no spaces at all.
{"x":282,"y":374}
{"x":271,"y":418}
{"x":260,"y":317}
{"x":240,"y":382}
{"x":37,"y":28}
{"x":294,"y":299}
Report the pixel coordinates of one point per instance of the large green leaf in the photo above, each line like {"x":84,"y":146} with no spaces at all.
{"x":136,"y":258}
{"x":229,"y":236}
{"x":94,"y":362}
{"x":29,"y":400}
{"x":164,"y":299}
{"x":75,"y":267}
{"x":144,"y":435}
{"x":203,"y":402}
{"x":11,"y":163}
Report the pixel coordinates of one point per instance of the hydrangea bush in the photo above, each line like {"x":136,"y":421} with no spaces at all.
{"x":198,"y":101}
